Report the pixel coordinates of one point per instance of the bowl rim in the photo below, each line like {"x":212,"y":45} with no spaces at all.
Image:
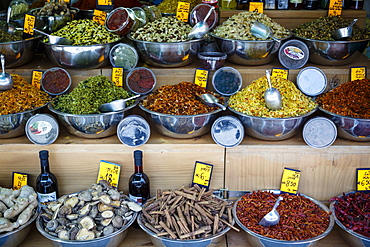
{"x":251,"y":41}
{"x":84,"y":46}
{"x":266,"y":118}
{"x":164,"y":43}
{"x":337,"y":115}
{"x":30,"y":221}
{"x":23,"y":112}
{"x":331,"y":41}
{"x":277,"y":241}
{"x":23,"y":40}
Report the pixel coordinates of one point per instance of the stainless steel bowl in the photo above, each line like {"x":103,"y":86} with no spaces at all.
{"x":248,"y":52}
{"x":334,"y":52}
{"x":16,"y":237}
{"x":181,"y":126}
{"x":93,"y":125}
{"x":272,"y":129}
{"x":79,"y":57}
{"x":51,"y":24}
{"x":257,"y":240}
{"x":168,"y":55}
{"x":351,"y":237}
{"x":354,"y":129}
{"x":12,"y":125}
{"x":18,"y":53}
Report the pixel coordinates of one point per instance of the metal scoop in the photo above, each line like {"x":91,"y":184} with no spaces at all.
{"x":211,"y":100}
{"x":116,"y":105}
{"x":6,"y":80}
{"x":272,"y":218}
{"x":201,"y":28}
{"x":262,"y":31}
{"x":55,"y":40}
{"x":344,"y":32}
{"x":9,"y":27}
{"x":272,"y":95}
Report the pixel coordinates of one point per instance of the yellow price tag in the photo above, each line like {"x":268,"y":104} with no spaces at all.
{"x":29,"y":24}
{"x":36,"y":78}
{"x":358,"y":73}
{"x":110,"y":172}
{"x":363,"y":179}
{"x":19,"y":179}
{"x":256,"y":7}
{"x":202,"y":174}
{"x":99,"y":16}
{"x":290,"y":181}
{"x":182,"y":12}
{"x":283,"y":73}
{"x":66,"y":1}
{"x":117,"y":76}
{"x":201,"y":77}
{"x":335,"y":8}
{"x":105,"y":2}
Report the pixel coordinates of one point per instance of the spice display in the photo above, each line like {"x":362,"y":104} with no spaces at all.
{"x":55,"y":9}
{"x":92,"y":213}
{"x":124,"y":56}
{"x":187,"y":213}
{"x":200,"y":11}
{"x":7,"y":37}
{"x":85,"y":32}
{"x":55,"y":81}
{"x":119,"y":21}
{"x":250,"y":100}
{"x":88,"y":95}
{"x":179,"y":99}
{"x":141,"y":80}
{"x":22,"y":97}
{"x":227,"y":81}
{"x":350,"y":99}
{"x":165,"y":29}
{"x":170,"y":6}
{"x":91,"y":4}
{"x":152,"y":12}
{"x":300,"y":217}
{"x":353,"y":210}
{"x":212,"y":60}
{"x":16,"y":207}
{"x":37,"y":4}
{"x":238,"y":26}
{"x":19,"y":7}
{"x":323,"y":27}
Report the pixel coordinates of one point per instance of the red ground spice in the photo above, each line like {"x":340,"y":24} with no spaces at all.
{"x":55,"y":81}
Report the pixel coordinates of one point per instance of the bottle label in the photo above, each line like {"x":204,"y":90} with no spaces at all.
{"x":296,"y":1}
{"x":45,"y":198}
{"x":138,"y":200}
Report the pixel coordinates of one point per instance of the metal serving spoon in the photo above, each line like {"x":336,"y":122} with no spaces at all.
{"x":273,"y":217}
{"x":116,"y":105}
{"x":272,"y":95}
{"x":262,"y":31}
{"x":211,"y":100}
{"x":55,"y":40}
{"x":6,"y":80}
{"x":344,"y":32}
{"x":9,"y":27}
{"x":201,"y":28}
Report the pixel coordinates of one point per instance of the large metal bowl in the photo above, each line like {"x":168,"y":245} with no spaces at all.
{"x":168,"y":55}
{"x":79,"y":57}
{"x":334,"y":52}
{"x":351,"y":237}
{"x":18,"y":53}
{"x":272,"y":129}
{"x":181,"y":126}
{"x":354,"y":129}
{"x":12,"y":125}
{"x":257,"y":240}
{"x":93,"y":125}
{"x":248,"y":52}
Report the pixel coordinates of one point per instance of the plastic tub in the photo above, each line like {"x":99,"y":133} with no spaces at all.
{"x":212,"y":60}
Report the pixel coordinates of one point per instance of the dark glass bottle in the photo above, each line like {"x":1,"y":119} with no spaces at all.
{"x":139,"y":185}
{"x":46,"y":182}
{"x":282,"y":4}
{"x":345,"y":4}
{"x":311,"y":4}
{"x":356,"y":4}
{"x":241,"y":4}
{"x":324,"y":4}
{"x":270,"y":4}
{"x":295,"y":4}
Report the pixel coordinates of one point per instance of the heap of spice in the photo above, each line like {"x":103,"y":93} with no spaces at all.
{"x":353,"y":210}
{"x":91,"y":4}
{"x":7,"y":37}
{"x":179,"y":99}
{"x":187,"y":213}
{"x":170,"y":6}
{"x":22,"y":97}
{"x":300,"y":217}
{"x":350,"y":99}
{"x":88,"y":95}
{"x":55,"y":81}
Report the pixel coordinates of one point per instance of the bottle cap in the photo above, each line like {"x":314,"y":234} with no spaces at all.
{"x":42,"y":129}
{"x":319,"y":132}
{"x":312,"y":81}
{"x":227,"y":131}
{"x":133,"y":131}
{"x":293,"y":54}
{"x":44,"y":154}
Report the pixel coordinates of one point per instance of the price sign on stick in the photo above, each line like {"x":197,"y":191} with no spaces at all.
{"x":117,"y":76}
{"x":99,"y":16}
{"x":104,"y":4}
{"x":202,"y":174}
{"x":19,"y":179}
{"x":201,"y":77}
{"x":256,"y":7}
{"x":290,"y":181}
{"x":335,"y":8}
{"x":110,"y":172}
{"x":363,"y":179}
{"x":358,"y":73}
{"x":182,"y":12}
{"x":36,"y":78}
{"x":29,"y":24}
{"x":278,"y":72}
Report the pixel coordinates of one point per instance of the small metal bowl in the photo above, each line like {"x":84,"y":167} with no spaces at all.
{"x":354,"y":129}
{"x":51,"y":71}
{"x":272,"y":129}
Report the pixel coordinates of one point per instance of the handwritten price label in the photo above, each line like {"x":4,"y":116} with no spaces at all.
{"x":201,"y":77}
{"x":182,"y":12}
{"x":29,"y":24}
{"x":110,"y":172}
{"x":358,"y":73}
{"x":19,"y":179}
{"x":290,"y":181}
{"x":202,"y":174}
{"x":117,"y":76}
{"x":36,"y":78}
{"x":335,"y":8}
{"x":363,"y":179}
{"x":99,"y":16}
{"x":256,"y":7}
{"x":104,"y":4}
{"x":277,"y":72}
